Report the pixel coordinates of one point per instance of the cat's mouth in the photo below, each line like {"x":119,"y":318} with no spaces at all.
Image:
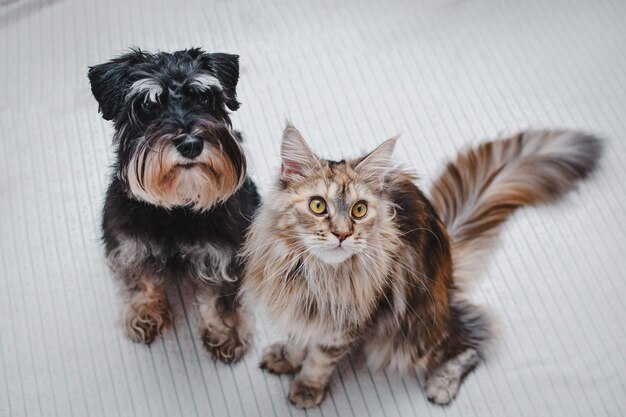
{"x":334,"y":255}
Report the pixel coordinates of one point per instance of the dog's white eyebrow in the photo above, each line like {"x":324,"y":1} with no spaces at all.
{"x":150,"y":85}
{"x":206,"y":81}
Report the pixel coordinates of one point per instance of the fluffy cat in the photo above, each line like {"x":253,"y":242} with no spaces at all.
{"x":352,"y":254}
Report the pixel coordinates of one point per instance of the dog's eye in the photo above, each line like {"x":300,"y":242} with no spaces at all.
{"x":204,"y":99}
{"x":148,"y":106}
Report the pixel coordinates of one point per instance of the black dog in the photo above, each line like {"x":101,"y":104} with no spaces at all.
{"x":179,"y":201}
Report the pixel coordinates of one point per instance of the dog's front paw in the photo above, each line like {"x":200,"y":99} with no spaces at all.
{"x":227,"y":344}
{"x":143,"y":322}
{"x":275,"y":361}
{"x":306,"y":395}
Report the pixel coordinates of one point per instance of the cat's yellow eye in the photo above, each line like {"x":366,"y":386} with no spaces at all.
{"x":317,"y":205}
{"x":359,"y":210}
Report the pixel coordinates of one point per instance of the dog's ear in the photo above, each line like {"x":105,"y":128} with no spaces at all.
{"x":110,"y":81}
{"x":226,"y":68}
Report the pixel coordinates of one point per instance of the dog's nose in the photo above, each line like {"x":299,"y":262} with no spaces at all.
{"x":189,"y":146}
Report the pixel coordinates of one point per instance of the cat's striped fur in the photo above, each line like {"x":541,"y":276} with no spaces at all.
{"x":477,"y":193}
{"x":395,"y":293}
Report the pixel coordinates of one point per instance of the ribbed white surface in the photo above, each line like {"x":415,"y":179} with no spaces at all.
{"x":349,"y":74}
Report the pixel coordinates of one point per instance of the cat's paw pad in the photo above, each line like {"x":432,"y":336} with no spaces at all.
{"x":303,"y":395}
{"x":226,"y":344}
{"x":441,"y":388}
{"x":144,"y":322}
{"x":274,"y":360}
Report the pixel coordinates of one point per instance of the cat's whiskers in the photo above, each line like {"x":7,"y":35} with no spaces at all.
{"x":371,"y":263}
{"x":282,"y":275}
{"x":413,"y":273}
{"x":283,"y":272}
{"x":410,"y":270}
{"x":397,"y":292}
{"x":423,"y":228}
{"x":254,"y":250}
{"x":310,"y":252}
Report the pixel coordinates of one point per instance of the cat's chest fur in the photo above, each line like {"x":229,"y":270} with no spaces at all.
{"x":325,"y":303}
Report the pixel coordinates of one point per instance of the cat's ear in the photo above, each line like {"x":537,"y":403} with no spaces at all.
{"x":375,"y":165}
{"x":297,"y":159}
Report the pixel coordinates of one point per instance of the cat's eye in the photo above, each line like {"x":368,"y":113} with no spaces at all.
{"x":317,"y":205}
{"x":359,"y":210}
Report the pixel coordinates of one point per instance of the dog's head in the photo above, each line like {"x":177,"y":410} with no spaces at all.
{"x":173,"y":132}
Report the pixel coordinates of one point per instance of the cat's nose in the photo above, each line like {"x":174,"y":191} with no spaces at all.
{"x":342,"y":235}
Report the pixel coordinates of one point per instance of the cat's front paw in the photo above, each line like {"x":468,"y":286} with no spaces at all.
{"x":306,"y":395}
{"x":275,"y":360}
{"x":226,"y":344}
{"x":443,"y":385}
{"x":441,"y":388}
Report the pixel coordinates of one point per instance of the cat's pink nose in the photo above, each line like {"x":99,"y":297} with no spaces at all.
{"x":342,"y":235}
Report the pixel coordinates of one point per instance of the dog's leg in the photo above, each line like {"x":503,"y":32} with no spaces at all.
{"x":147,"y":312}
{"x":224,"y":325}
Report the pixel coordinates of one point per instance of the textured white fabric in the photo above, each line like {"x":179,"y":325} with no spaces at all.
{"x":349,"y":74}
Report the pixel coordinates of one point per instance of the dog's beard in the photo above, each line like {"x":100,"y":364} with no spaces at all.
{"x":159,"y":175}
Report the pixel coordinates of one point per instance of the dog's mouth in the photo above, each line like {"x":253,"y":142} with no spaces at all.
{"x":187,"y":165}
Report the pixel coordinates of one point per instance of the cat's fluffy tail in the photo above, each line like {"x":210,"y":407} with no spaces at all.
{"x":481,"y":189}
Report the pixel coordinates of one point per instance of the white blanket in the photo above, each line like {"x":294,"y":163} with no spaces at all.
{"x":349,"y":74}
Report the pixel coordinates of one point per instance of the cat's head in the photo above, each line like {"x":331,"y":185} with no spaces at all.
{"x":332,"y":210}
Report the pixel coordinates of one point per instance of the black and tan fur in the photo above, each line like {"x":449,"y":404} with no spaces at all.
{"x":179,"y":200}
{"x":394,"y":293}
